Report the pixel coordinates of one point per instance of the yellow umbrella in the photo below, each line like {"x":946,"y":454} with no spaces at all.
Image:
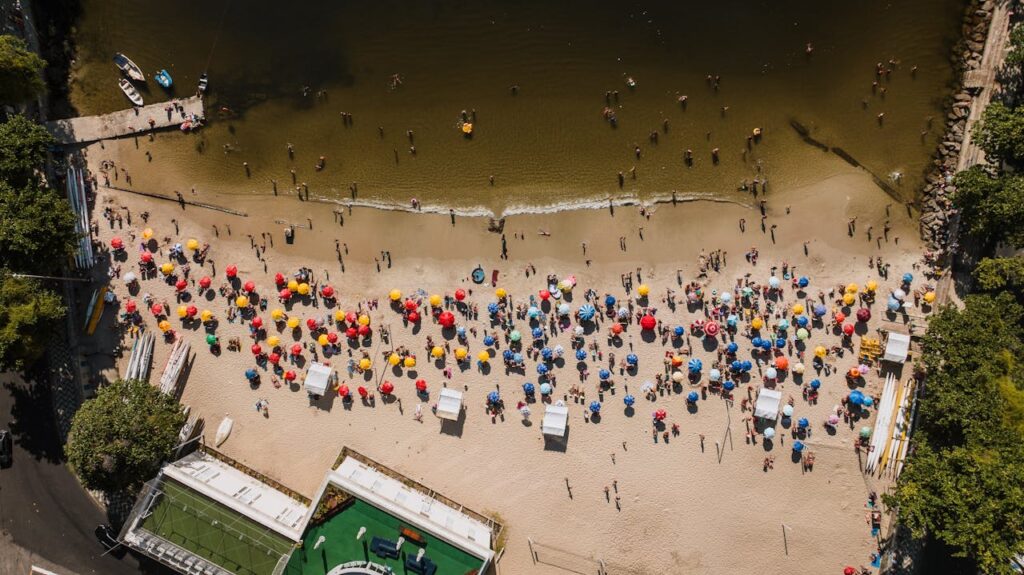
{"x":643,"y":290}
{"x":820,"y":351}
{"x":364,"y":319}
{"x":757,"y":323}
{"x":206,"y":315}
{"x":277,"y":314}
{"x":322,"y":340}
{"x":273,"y":341}
{"x":192,"y":244}
{"x":339,"y":315}
{"x":849,"y":298}
{"x":872,"y":285}
{"x":437,"y":352}
{"x":164,"y":325}
{"x":484,"y":356}
{"x":929,"y":297}
{"x":167,"y":268}
{"x":395,"y":295}
{"x":242,"y":301}
{"x":293,"y":285}
{"x":364,"y":364}
{"x":182,"y":311}
{"x":293,"y":322}
{"x":500,"y":293}
{"x":394,"y":358}
{"x":147,"y":233}
{"x":410,"y":361}
{"x":852,"y":288}
{"x":461,"y":353}
{"x":798,"y":309}
{"x":435,"y":300}
{"x":303,"y":288}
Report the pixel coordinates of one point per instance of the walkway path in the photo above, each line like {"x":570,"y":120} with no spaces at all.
{"x":126,"y":122}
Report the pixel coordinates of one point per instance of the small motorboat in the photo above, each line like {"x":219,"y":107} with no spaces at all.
{"x":129,"y":68}
{"x":203,"y":83}
{"x":223,"y":431}
{"x":129,"y":90}
{"x":163,"y":77}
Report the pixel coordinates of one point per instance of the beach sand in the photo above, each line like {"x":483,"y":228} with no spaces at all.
{"x":684,"y":509}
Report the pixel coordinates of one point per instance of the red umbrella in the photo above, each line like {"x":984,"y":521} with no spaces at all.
{"x":414,"y":317}
{"x":840,"y":317}
{"x":351,"y":333}
{"x":351,"y":317}
{"x":181,"y":285}
{"x":296,"y":349}
{"x":446,"y":319}
{"x":327,"y":291}
{"x":191,"y":311}
{"x":289,"y":375}
{"x":146,"y":257}
{"x":285,"y":294}
{"x":848,"y":328}
{"x":387,"y":387}
{"x":204,"y":282}
{"x":256,"y":349}
{"x":421,"y":385}
{"x":849,"y":570}
{"x":116,"y":243}
{"x":311,"y":323}
{"x":332,"y":337}
{"x":231,"y":271}
{"x":274,"y":358}
{"x":616,"y":328}
{"x":279,"y":278}
{"x":129,"y":306}
{"x":460,"y":294}
{"x":711,"y":328}
{"x":343,"y":390}
{"x":863,"y":314}
{"x":257,"y":322}
{"x":249,"y":286}
{"x":545,"y":294}
{"x":660,"y":415}
{"x":648,"y":322}
{"x":364,"y":330}
{"x":157,"y":309}
{"x":410,"y":305}
{"x":362,"y":391}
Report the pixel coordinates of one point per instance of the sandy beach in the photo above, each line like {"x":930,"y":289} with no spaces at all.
{"x":700,"y":502}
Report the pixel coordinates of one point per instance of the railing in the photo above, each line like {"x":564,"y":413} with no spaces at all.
{"x":255,"y":474}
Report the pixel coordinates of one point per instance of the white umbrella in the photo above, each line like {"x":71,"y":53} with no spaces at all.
{"x":769,"y":432}
{"x":647,"y":386}
{"x":677,"y":376}
{"x":130,"y":277}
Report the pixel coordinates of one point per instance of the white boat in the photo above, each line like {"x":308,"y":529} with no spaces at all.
{"x":130,"y":91}
{"x":204,"y":83}
{"x":223,"y":431}
{"x":130,"y":69}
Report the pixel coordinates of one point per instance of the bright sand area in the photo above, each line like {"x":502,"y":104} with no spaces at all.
{"x":682,"y":510}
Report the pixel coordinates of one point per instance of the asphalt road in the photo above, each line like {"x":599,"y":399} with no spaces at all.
{"x":42,"y":506}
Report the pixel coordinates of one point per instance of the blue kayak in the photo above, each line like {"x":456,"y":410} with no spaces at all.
{"x":163,"y":78}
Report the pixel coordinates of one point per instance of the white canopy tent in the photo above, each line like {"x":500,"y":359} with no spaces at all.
{"x":897,"y":347}
{"x":556,"y":417}
{"x":449,"y":404}
{"x":767,"y":406}
{"x":317,"y":378}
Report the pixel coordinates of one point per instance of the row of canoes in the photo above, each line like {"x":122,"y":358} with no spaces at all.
{"x":133,"y":73}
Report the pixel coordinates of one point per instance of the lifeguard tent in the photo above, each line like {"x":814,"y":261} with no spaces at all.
{"x":897,"y":346}
{"x":767,"y":406}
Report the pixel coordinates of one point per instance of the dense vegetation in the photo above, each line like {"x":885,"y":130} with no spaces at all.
{"x":20,"y":71}
{"x":119,"y":439}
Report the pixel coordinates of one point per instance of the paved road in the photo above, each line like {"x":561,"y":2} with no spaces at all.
{"x":42,"y":506}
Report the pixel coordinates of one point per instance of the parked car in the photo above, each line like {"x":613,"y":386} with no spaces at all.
{"x":6,"y":448}
{"x":108,"y":538}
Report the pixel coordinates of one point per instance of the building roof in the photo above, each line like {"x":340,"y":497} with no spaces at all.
{"x":896,"y":347}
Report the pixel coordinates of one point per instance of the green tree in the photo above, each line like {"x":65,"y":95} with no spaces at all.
{"x":23,"y":146}
{"x":37,"y":229}
{"x":991,"y":207}
{"x":27,"y":315}
{"x":1001,"y":274}
{"x":1001,"y":133}
{"x":20,"y":71}
{"x":119,"y":439}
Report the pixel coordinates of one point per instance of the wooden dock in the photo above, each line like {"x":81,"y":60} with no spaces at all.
{"x":128,"y":122}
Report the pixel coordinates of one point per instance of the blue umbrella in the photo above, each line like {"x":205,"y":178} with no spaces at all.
{"x":819,"y":309}
{"x":732,"y":348}
{"x":803,"y":281}
{"x":893,"y":304}
{"x":528,"y":388}
{"x":856,"y":397}
{"x":757,"y":341}
{"x":736,"y":365}
{"x":798,"y":446}
{"x":868,"y":401}
{"x":545,"y":389}
{"x":493,"y":397}
{"x":581,"y":355}
{"x":533,"y":312}
{"x":783,"y":324}
{"x":815,"y":383}
{"x":488,"y":340}
{"x":604,"y":374}
{"x":460,"y":331}
{"x":517,"y":357}
{"x":695,"y":365}
{"x":632,"y":359}
{"x":563,"y":309}
{"x":780,"y":343}
{"x":732,"y":320}
{"x":802,"y":422}
{"x":629,"y":400}
{"x":766,"y":345}
{"x":595,"y":406}
{"x":908,"y":277}
{"x":609,"y":301}
{"x":507,"y":354}
{"x":729,"y":385}
{"x":538,"y":333}
{"x":587,"y":312}
{"x":747,"y":366}
{"x":692,"y":397}
{"x":542,"y":369}
{"x":250,"y":373}
{"x":802,"y":321}
{"x":546,"y":354}
{"x":679,"y":331}
{"x":492,"y":308}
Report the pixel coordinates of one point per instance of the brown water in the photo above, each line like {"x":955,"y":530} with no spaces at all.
{"x":548,"y":145}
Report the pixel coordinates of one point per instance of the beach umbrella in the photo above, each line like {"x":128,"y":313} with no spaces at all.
{"x":726,"y":297}
{"x":616,"y":328}
{"x":492,"y":308}
{"x":191,"y":311}
{"x":732,"y":348}
{"x":908,"y":277}
{"x":130,"y":278}
{"x":692,"y":397}
{"x":647,"y":387}
{"x":394,"y":295}
{"x":849,"y":299}
{"x":157,"y":309}
{"x":871,"y":286}
{"x":736,"y":365}
{"x":848,"y":329}
{"x":833,"y":419}
{"x":279,"y":278}
{"x":815,"y":383}
{"x":622,"y":313}
{"x":820,"y":351}
{"x":632,"y":359}
{"x":394,"y":359}
{"x":802,"y":321}
{"x":849,"y":570}
{"x":545,"y":389}
{"x":410,"y":305}
{"x":868,"y":401}
{"x":802,"y":334}
{"x":249,"y":286}
{"x":803,"y":281}
{"x":711,"y":329}
{"x":732,"y":320}
{"x":387,"y":387}
{"x":756,"y":323}
{"x":343,"y":391}
{"x":856,"y":397}
{"x":929,"y":297}
{"x":525,"y":411}
{"x":803,"y":423}
{"x":528,"y":388}
{"x":643,"y":290}
{"x":256,"y":349}
{"x":296,"y":349}
{"x":819,"y":310}
{"x":756,"y":342}
{"x":546,"y":354}
{"x":146,"y":257}
{"x":285,"y":294}
{"x":257,"y":322}
{"x":559,"y":351}
{"x":180,"y":285}
{"x":242,"y":301}
{"x":147,"y":233}
{"x":182,"y":311}
{"x":609,"y":300}
{"x":798,"y":368}
{"x":167,"y":269}
{"x":117,"y":243}
{"x":780,"y":343}
{"x":351,"y":317}
{"x":747,"y":366}
{"x":769,"y":432}
{"x":544,"y":294}
{"x":863,"y":314}
{"x":648,"y":322}
{"x":421,"y":385}
{"x":629,"y":400}
{"x":899,"y":294}
{"x":460,"y":331}
{"x":865,"y":432}
{"x":493,"y":397}
{"x":274,"y":358}
{"x":678,"y":377}
{"x":364,"y":320}
{"x":766,"y":345}
{"x":852,"y":288}
{"x":312,"y":324}
{"x":695,"y":365}
{"x":604,"y":375}
{"x":303,"y":289}
{"x":893,"y":304}
{"x":587,"y":312}
{"x":500,"y":293}
{"x":460,"y":294}
{"x":581,"y":355}
{"x":787,"y":410}
{"x":250,"y":374}
{"x":542,"y":369}
{"x":729,"y":385}
{"x":840,"y":317}
{"x":362,"y":391}
{"x":563,"y":309}
{"x":798,"y":446}
{"x":798,"y":308}
{"x":537,"y":333}
{"x":437,"y":352}
{"x":483,"y":357}
{"x":578,"y":330}
{"x":533,"y":312}
{"x":322,"y":340}
{"x":783,"y":324}
{"x":461,"y":353}
{"x":679,"y":331}
{"x":488,"y":340}
{"x":327,"y":291}
{"x":771,"y":373}
{"x":211,"y":339}
{"x":595,"y":407}
{"x":231,"y":271}
{"x":130,"y":306}
{"x":413,"y":317}
{"x":774,"y":282}
{"x":273,"y":341}
{"x":507,"y":354}
{"x":206,"y":315}
{"x":351,"y":333}
{"x":714,"y":375}
{"x":515,"y":335}
{"x":660,"y":415}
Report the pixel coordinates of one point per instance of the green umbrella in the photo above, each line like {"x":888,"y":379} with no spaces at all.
{"x":515,"y":335}
{"x":802,"y":333}
{"x":211,"y":339}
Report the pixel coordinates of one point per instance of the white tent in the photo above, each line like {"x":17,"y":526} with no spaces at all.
{"x":555,"y":418}
{"x":896,"y":347}
{"x":317,"y":378}
{"x":449,"y":404}
{"x":767,"y":406}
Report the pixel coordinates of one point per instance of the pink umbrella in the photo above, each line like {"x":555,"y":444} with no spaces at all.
{"x":711,"y":329}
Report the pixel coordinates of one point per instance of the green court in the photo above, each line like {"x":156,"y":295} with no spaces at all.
{"x":214,"y":532}
{"x":341,"y":546}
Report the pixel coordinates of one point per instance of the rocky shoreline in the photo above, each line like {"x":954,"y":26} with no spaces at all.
{"x":937,"y":211}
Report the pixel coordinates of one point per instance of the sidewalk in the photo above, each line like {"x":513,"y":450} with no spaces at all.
{"x":15,"y":560}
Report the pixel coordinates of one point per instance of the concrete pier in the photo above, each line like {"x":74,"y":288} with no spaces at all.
{"x":126,"y":122}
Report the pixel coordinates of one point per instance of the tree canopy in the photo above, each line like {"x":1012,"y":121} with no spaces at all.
{"x":37,"y":229}
{"x":119,"y":439}
{"x":1001,"y":133}
{"x":27,"y":315}
{"x":20,"y":71}
{"x":991,"y":206}
{"x":1001,"y":274}
{"x":23,"y":147}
